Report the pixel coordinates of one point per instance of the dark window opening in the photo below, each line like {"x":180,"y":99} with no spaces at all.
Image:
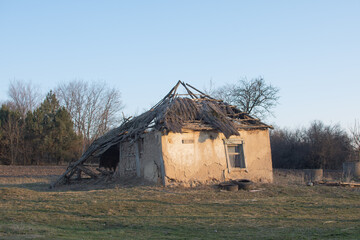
{"x":236,"y":155}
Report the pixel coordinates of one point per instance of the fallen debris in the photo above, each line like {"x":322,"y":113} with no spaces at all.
{"x":90,"y":172}
{"x":333,"y":183}
{"x":350,"y":184}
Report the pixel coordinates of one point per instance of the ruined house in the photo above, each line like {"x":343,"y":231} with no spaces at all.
{"x":184,"y":139}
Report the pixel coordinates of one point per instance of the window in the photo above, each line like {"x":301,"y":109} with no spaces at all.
{"x":235,"y":154}
{"x":188,"y":141}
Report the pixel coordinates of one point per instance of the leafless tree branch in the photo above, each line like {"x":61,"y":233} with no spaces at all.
{"x":255,"y":97}
{"x":24,"y":96}
{"x":94,"y":107}
{"x":355,"y":135}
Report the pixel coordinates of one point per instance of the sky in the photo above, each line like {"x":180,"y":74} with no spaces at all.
{"x":310,"y":50}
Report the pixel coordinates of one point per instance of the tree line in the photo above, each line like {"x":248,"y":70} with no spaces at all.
{"x":317,"y":146}
{"x":59,"y":127}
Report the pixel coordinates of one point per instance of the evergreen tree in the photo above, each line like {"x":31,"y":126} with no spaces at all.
{"x":50,"y":130}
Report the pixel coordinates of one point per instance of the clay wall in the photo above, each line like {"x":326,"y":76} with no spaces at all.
{"x":200,"y":157}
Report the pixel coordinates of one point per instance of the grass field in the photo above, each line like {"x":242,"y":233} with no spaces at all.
{"x":285,"y":210}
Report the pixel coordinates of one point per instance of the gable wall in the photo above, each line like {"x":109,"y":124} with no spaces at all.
{"x":204,"y":160}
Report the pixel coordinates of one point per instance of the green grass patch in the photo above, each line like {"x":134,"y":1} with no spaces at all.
{"x":277,"y":212}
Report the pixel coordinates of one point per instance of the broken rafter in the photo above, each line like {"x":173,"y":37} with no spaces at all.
{"x":71,"y":173}
{"x":104,"y":172}
{"x":175,"y":89}
{"x":87,"y":171}
{"x":191,"y":94}
{"x":200,"y":91}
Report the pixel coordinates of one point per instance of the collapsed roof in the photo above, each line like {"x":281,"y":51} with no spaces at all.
{"x":175,"y":112}
{"x":196,"y":111}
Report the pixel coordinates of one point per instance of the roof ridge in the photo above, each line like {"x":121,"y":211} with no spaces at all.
{"x":192,"y":92}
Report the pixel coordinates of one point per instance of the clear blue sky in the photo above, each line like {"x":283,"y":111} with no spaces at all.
{"x":309,"y":49}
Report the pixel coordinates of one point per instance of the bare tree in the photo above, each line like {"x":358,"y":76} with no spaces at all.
{"x":355,"y":135}
{"x":24,"y":96}
{"x":255,"y":97}
{"x":11,"y":129}
{"x":210,"y":89}
{"x":94,"y":108}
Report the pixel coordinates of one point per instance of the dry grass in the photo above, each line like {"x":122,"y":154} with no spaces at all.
{"x":29,"y":174}
{"x":296,"y":176}
{"x":278,"y":211}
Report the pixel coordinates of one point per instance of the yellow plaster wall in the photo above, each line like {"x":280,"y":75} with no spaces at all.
{"x":204,"y":160}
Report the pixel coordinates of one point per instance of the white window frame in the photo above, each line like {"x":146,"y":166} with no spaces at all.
{"x":229,"y":142}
